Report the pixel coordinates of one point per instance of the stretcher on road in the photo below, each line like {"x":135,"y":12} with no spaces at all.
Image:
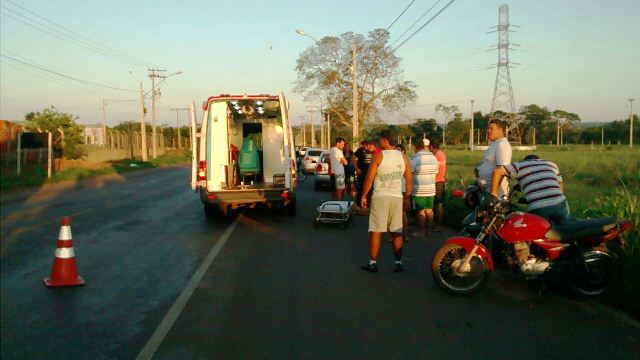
{"x":334,"y":212}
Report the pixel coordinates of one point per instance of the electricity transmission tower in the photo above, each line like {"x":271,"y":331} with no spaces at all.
{"x":502,"y":89}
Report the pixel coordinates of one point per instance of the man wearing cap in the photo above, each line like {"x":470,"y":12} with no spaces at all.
{"x":424,"y":167}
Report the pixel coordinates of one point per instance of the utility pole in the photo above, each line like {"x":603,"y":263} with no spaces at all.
{"x":354,"y":72}
{"x":143,"y":131}
{"x":304,"y":134}
{"x":534,"y":136}
{"x":328,"y":130}
{"x":153,"y":74}
{"x":631,"y":123}
{"x":49,"y":153}
{"x":601,"y":137}
{"x":471,"y":130}
{"x":178,"y":123}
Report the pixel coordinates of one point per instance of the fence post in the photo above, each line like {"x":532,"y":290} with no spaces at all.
{"x":9,"y":146}
{"x":18,"y":159}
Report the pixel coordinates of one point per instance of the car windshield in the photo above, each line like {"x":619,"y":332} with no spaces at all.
{"x":314,"y":152}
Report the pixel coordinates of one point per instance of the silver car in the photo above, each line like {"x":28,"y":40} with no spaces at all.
{"x":310,"y":159}
{"x":323,"y":177}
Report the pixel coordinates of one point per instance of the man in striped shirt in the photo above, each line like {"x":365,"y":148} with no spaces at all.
{"x":541,"y":183}
{"x":424,"y":167}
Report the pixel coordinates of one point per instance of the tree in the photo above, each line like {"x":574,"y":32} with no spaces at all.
{"x":458,"y":130}
{"x":447,"y":112}
{"x":67,"y":134}
{"x":425,"y":128}
{"x":324,"y":70}
{"x":534,"y":117}
{"x":566,"y":123}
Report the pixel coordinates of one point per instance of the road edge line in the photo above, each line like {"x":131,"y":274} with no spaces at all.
{"x":154,"y":342}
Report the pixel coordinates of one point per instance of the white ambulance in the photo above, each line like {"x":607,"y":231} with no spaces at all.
{"x":243,"y":154}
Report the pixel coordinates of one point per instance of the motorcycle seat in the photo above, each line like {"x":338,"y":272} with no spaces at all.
{"x":570,"y":231}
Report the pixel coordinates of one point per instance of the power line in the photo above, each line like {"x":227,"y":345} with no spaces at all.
{"x":39,"y":67}
{"x":66,"y":38}
{"x":70,"y":36}
{"x":75,"y":87}
{"x":417,"y":21}
{"x":402,"y":13}
{"x":425,"y":24}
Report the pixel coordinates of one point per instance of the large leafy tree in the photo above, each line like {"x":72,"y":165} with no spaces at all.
{"x":458,"y":130}
{"x":425,"y":128}
{"x":67,"y":134}
{"x":324,"y":71}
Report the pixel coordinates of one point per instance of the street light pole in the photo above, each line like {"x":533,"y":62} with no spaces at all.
{"x":153,"y":74}
{"x":471,"y":130}
{"x":355,"y":93}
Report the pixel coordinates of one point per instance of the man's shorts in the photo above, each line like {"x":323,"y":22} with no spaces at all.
{"x":439,"y":193}
{"x":422,"y":203}
{"x":385,"y":214}
{"x":339,"y":181}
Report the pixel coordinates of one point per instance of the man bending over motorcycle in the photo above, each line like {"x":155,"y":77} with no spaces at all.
{"x":541,"y":183}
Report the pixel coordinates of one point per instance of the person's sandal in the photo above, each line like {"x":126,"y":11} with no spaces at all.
{"x":372,"y":268}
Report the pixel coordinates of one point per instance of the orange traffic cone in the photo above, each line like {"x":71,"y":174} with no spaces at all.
{"x":64,"y":271}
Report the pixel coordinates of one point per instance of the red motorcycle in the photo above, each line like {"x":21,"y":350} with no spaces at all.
{"x":573,"y":251}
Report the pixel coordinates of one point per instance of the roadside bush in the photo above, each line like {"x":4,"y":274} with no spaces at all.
{"x":67,"y":134}
{"x":625,"y":286}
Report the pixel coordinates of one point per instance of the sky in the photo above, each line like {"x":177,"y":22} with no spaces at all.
{"x":579,"y":56}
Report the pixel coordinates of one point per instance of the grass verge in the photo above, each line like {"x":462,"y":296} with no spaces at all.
{"x":37,"y":175}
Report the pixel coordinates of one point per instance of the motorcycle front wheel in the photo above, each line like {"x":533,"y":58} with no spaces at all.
{"x":453,"y":281}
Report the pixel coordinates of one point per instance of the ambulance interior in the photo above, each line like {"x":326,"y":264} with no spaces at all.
{"x":256,"y":144}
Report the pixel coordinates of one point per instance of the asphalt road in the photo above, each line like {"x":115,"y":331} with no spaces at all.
{"x":275,"y":287}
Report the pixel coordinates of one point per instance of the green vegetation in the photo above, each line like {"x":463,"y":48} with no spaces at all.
{"x":599,"y":182}
{"x":37,"y":175}
{"x":67,"y":134}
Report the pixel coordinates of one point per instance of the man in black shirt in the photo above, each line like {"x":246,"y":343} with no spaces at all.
{"x":361,"y":160}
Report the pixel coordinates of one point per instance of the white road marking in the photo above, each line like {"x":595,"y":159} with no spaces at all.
{"x":170,"y":318}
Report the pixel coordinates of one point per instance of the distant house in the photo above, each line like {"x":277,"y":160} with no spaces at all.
{"x":94,"y":134}
{"x":8,"y":133}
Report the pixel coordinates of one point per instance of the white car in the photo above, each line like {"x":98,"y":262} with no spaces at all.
{"x":310,"y":159}
{"x":302,"y":151}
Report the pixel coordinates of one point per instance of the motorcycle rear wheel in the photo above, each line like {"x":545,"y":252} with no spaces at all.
{"x":592,"y":280}
{"x":445,"y":277}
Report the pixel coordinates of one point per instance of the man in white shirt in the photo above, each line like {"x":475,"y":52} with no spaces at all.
{"x":498,"y":154}
{"x":338,"y":161}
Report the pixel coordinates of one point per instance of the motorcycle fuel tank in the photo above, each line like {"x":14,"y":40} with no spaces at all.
{"x":520,"y":226}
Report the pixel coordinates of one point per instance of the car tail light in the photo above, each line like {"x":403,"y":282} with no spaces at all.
{"x":211,"y":197}
{"x":202,"y":170}
{"x":306,"y":158}
{"x":284,"y":195}
{"x":319,"y":167}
